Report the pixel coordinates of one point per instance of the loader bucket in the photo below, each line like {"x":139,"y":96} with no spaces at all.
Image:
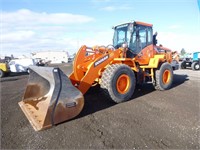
{"x":50,"y":98}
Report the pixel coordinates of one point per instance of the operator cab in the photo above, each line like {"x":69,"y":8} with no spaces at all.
{"x":136,"y":35}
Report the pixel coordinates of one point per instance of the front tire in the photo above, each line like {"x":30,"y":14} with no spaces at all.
{"x":195,"y":66}
{"x":182,"y":65}
{"x":2,"y":74}
{"x":118,"y":82}
{"x":164,"y":77}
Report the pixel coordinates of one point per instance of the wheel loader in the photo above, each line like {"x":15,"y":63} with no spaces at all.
{"x":52,"y":97}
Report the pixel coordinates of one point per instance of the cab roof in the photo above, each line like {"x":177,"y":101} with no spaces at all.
{"x":143,"y":23}
{"x":135,"y":22}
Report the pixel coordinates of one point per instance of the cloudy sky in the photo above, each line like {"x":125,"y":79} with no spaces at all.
{"x":42,"y":25}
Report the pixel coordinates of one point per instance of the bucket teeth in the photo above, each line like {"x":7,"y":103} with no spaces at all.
{"x":50,"y":98}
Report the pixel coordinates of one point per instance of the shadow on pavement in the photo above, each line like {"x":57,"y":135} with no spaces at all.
{"x":179,"y":79}
{"x":96,"y":101}
{"x":13,"y":76}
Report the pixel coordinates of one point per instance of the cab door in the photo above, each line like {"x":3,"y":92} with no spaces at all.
{"x":144,"y":46}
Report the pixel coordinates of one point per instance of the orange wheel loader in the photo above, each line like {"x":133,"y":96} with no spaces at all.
{"x":51,"y":97}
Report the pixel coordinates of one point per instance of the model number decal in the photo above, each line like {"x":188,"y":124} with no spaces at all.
{"x":101,"y":60}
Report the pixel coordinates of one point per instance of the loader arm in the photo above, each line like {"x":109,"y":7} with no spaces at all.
{"x":89,"y":64}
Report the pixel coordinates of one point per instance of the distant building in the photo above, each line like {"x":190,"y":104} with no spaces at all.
{"x":52,"y":56}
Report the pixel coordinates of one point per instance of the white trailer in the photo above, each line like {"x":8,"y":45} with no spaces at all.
{"x":52,"y":56}
{"x":21,"y":65}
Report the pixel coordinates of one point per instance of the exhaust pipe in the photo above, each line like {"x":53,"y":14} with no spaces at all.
{"x":50,"y":98}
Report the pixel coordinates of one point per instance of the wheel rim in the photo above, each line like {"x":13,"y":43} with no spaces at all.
{"x":166,"y":76}
{"x":123,"y":84}
{"x":197,"y":66}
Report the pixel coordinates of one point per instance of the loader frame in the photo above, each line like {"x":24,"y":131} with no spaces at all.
{"x":90,"y":62}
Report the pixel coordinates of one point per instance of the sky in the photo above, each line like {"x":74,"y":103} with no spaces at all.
{"x":29,"y":26}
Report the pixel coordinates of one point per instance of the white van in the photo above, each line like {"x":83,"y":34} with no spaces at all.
{"x":21,"y":65}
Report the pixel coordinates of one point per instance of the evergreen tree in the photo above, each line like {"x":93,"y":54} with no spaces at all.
{"x":183,"y":52}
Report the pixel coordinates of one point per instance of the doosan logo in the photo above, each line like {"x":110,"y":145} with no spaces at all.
{"x":101,"y":60}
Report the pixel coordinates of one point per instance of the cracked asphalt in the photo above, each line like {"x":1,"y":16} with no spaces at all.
{"x":150,"y":120}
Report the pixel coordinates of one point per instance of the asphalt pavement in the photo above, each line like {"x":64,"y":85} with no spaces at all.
{"x":150,"y":120}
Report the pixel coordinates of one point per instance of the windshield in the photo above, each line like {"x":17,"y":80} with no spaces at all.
{"x":121,"y":35}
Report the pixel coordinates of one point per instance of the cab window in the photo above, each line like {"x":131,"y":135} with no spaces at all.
{"x":141,"y":37}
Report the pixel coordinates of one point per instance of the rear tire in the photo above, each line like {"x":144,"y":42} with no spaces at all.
{"x":183,"y":66}
{"x":118,"y":82}
{"x":164,"y":77}
{"x":195,"y":66}
{"x":1,"y":73}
